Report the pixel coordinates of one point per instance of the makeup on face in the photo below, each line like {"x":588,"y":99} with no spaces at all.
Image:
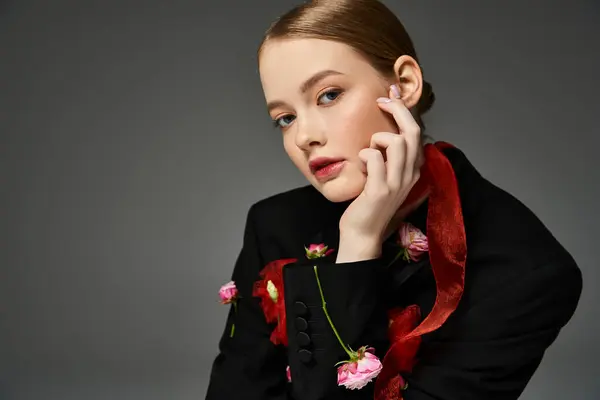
{"x":321,"y":95}
{"x":324,"y":168}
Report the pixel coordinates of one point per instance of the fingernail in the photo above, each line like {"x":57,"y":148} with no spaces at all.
{"x":384,"y":100}
{"x":396,"y":91}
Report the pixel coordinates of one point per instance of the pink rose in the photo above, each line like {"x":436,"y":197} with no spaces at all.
{"x":288,"y":374}
{"x":357,"y":374}
{"x":228,"y":293}
{"x":317,"y":251}
{"x":414,"y":242}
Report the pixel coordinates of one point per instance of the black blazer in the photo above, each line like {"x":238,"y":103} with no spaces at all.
{"x":521,"y":288}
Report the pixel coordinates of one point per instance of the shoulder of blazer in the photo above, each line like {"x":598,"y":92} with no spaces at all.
{"x":505,"y":237}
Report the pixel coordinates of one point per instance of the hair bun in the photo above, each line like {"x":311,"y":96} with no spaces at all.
{"x":427,"y":98}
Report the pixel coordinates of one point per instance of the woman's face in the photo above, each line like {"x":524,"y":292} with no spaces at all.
{"x":322,"y":96}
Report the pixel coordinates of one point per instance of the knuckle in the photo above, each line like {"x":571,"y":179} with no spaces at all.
{"x":381,"y":192}
{"x":372,"y":152}
{"x":377,"y":136}
{"x":395,"y":186}
{"x":377,"y":157}
{"x":376,"y":153}
{"x":398,"y":137}
{"x":369,"y":154}
{"x":398,"y":140}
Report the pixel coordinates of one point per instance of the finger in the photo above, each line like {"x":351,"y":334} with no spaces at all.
{"x":376,"y":173}
{"x":409,"y":128}
{"x":401,"y":114}
{"x":395,"y":147}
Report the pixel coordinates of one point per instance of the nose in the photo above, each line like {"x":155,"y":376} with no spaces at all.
{"x":310,"y":134}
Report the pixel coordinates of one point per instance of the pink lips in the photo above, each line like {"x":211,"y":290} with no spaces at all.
{"x":326,"y":168}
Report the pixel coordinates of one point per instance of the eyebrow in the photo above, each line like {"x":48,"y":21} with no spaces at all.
{"x":306,"y":85}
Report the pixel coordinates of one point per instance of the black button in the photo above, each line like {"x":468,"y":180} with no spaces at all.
{"x":300,"y":308}
{"x":305,"y":356}
{"x":300,"y":324}
{"x":303,"y":339}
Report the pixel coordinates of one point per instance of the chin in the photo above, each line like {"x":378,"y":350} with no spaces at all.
{"x":342,"y":188}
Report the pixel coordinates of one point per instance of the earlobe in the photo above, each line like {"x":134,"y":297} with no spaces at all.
{"x":409,"y":79}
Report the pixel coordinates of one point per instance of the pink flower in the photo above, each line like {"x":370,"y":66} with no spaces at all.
{"x":414,"y":242}
{"x":228,"y":293}
{"x":362,"y":369}
{"x":288,"y":374}
{"x":317,"y":251}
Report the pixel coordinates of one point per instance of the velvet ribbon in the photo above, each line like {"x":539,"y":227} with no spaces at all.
{"x":447,"y":254}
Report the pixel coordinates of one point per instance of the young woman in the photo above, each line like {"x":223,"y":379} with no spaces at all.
{"x":399,"y":272}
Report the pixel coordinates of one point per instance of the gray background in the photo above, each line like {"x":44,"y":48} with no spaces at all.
{"x":134,"y":137}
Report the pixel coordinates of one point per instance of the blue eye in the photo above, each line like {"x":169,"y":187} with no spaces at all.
{"x":283,"y":122}
{"x":330,"y":96}
{"x":325,"y":99}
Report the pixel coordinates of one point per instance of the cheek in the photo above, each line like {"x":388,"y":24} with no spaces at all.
{"x":358,"y":120}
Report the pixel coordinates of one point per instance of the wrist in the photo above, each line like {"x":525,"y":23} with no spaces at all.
{"x":353,"y":248}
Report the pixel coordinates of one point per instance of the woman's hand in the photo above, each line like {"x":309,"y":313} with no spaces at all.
{"x":389,"y":181}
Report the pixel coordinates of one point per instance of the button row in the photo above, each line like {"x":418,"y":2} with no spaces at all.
{"x":300,"y":308}
{"x":301,"y":325}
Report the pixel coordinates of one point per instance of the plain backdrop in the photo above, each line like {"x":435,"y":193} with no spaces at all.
{"x":134,"y":138}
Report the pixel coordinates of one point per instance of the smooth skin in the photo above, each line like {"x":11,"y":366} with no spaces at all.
{"x":329,"y":101}
{"x":366,"y":221}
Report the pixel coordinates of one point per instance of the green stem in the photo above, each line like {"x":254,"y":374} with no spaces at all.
{"x":396,"y":258}
{"x":233,"y":325}
{"x":337,"y":335}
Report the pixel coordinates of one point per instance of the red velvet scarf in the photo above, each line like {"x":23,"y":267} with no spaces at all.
{"x":447,"y":254}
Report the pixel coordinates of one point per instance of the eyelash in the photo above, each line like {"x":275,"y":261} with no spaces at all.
{"x":276,"y":121}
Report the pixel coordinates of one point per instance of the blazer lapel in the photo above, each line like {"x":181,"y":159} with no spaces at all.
{"x":401,"y":271}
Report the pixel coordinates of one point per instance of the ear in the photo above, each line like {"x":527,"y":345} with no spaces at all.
{"x":409,"y":79}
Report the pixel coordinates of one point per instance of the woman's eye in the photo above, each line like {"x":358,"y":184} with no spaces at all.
{"x":284,"y":122}
{"x":326,"y":98}
{"x":329,"y":96}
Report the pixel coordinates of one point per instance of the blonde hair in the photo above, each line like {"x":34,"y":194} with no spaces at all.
{"x":367,"y":26}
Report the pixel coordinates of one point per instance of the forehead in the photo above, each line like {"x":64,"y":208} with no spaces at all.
{"x":285,"y":64}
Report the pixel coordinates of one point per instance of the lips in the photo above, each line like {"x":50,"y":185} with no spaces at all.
{"x":326,"y":168}
{"x":322,"y":162}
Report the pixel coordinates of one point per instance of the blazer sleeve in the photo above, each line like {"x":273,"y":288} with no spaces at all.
{"x":354,"y":301}
{"x":494,"y":347}
{"x":248,"y":365}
